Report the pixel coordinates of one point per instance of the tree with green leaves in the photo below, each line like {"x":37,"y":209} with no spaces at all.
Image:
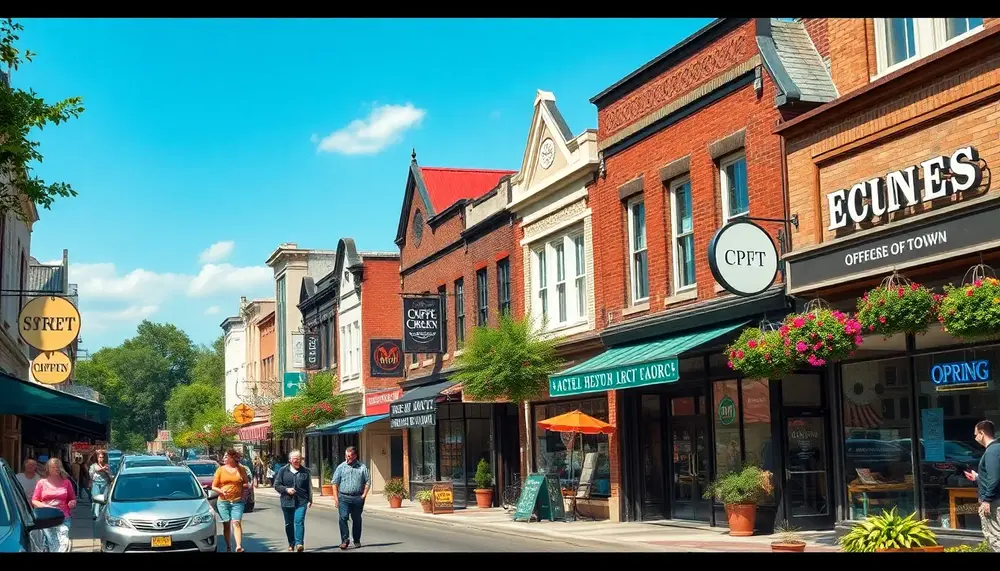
{"x":508,"y":361}
{"x":20,"y":112}
{"x":316,"y":403}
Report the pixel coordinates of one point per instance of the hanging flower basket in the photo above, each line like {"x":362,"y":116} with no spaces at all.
{"x":820,"y":335}
{"x":972,"y":310}
{"x":896,"y":306}
{"x":760,"y":353}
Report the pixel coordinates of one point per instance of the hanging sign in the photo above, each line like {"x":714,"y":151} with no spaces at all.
{"x":312,"y":351}
{"x":386,"y":357}
{"x":423,"y":325}
{"x":49,"y":323}
{"x":243,"y":414}
{"x":967,"y":374}
{"x":743,"y":258}
{"x":51,"y":368}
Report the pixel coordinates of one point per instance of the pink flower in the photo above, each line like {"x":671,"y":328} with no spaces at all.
{"x":829,"y":337}
{"x":752,"y":344}
{"x":767,"y":356}
{"x":901,"y":292}
{"x":914,"y":287}
{"x":818,"y":346}
{"x":871,"y":328}
{"x":881,"y":319}
{"x":783,"y":330}
{"x":858,"y":340}
{"x":739,"y":354}
{"x":798,"y":322}
{"x":730,"y":363}
{"x":820,"y":362}
{"x":801,"y":347}
{"x":979,"y":283}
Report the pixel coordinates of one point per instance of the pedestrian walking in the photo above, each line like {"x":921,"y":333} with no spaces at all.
{"x":56,"y":491}
{"x":29,"y":477}
{"x":85,"y":478}
{"x":351,"y":483}
{"x":232,"y":483}
{"x":988,"y":481}
{"x":100,"y":479}
{"x":294,"y":484}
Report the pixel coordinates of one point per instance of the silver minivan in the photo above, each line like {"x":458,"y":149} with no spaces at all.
{"x":156,"y":508}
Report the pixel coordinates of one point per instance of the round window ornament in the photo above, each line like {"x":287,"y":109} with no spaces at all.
{"x":49,"y":323}
{"x":743,"y":258}
{"x":51,"y":368}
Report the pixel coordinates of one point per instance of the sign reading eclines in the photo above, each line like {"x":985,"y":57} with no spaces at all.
{"x":743,"y":258}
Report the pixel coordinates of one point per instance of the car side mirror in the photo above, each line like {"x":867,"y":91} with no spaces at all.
{"x":212,"y":494}
{"x":99,"y":499}
{"x":47,"y":517}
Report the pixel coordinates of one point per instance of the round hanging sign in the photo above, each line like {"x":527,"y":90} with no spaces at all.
{"x":726,"y":411}
{"x":743,"y":258}
{"x":49,"y":323}
{"x":51,"y":368}
{"x":243,"y":414}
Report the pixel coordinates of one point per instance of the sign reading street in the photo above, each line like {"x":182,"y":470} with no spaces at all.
{"x":642,"y":374}
{"x":49,"y":323}
{"x":51,"y":368}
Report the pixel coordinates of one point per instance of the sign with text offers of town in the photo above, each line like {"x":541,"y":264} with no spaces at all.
{"x":965,"y":232}
{"x":378,"y":403}
{"x":51,"y":368}
{"x":291,"y":384}
{"x":423,"y":325}
{"x":386,"y":357}
{"x":442,"y":498}
{"x":49,"y":323}
{"x":627,"y":377}
{"x":743,"y":258}
{"x":312,"y":351}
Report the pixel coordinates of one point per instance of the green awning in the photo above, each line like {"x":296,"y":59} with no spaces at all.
{"x":329,"y":427}
{"x":635,"y":365}
{"x":27,"y":398}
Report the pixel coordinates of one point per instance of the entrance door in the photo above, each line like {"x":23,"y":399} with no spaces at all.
{"x":651,"y":430}
{"x":691,"y":461}
{"x":379,"y":464}
{"x":807,"y":486}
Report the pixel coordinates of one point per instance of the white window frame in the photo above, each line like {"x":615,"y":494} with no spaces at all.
{"x":538,"y":291}
{"x":633,"y":284}
{"x":572,"y":275}
{"x":929,"y":37}
{"x":558,"y":247}
{"x":580,"y":278}
{"x":724,"y":185}
{"x":357,"y":347}
{"x":675,"y":238}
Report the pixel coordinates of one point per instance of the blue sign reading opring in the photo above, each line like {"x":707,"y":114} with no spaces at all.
{"x":961,"y":373}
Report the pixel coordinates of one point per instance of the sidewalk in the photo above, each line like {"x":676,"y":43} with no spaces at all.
{"x":81,"y":529}
{"x":660,"y":536}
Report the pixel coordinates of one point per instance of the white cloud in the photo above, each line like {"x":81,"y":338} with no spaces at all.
{"x":213,"y":310}
{"x":97,"y":321}
{"x":102,"y":281}
{"x":383,"y":127}
{"x":53,"y":262}
{"x":217,"y":252}
{"x":222,"y":278}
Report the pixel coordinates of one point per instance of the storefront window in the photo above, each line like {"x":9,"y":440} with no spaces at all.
{"x":552,"y":456}
{"x":878,"y":463}
{"x":757,"y":423}
{"x":423,"y":454}
{"x":726,"y":411}
{"x":955,"y":391}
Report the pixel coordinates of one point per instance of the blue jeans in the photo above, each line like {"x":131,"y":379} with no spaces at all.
{"x":98,"y":487}
{"x":350,"y":507}
{"x":295,"y":525}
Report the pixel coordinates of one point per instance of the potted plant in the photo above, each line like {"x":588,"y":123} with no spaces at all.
{"x":896,"y":306}
{"x":982,"y":547}
{"x":327,"y":488}
{"x":484,"y":485}
{"x":425,"y":497}
{"x":740,"y":491}
{"x":395,"y":491}
{"x":888,"y":531}
{"x":788,"y":539}
{"x":971,"y":312}
{"x":820,"y":335}
{"x":760,"y":354}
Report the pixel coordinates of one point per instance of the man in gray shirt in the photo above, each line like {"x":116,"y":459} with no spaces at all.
{"x":351,"y":483}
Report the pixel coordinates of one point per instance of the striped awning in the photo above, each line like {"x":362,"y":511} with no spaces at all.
{"x":255,"y":432}
{"x":861,"y":416}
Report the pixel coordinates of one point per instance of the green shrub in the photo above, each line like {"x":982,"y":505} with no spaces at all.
{"x":394,"y":488}
{"x":748,"y":485}
{"x":484,"y":478}
{"x":982,"y":547}
{"x":888,"y":530}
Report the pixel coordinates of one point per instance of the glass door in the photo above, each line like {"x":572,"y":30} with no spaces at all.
{"x":651,"y":442}
{"x":807,"y":485}
{"x":691,"y":463}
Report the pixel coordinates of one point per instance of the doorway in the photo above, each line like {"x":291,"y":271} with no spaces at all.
{"x":690,"y":465}
{"x":808,"y":495}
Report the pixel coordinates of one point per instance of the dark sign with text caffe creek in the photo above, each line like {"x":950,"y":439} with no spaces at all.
{"x":312,"y":351}
{"x":423,"y":325}
{"x":386,"y":357}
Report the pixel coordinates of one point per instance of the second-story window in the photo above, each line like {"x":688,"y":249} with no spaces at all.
{"x":580,"y":254}
{"x":560,"y":251}
{"x":900,"y":40}
{"x":559,"y":280}
{"x":735,"y":192}
{"x":683,"y":234}
{"x":638,"y":266}
{"x":482,"y":298}
{"x":503,"y":286}
{"x":543,"y":282}
{"x":459,"y":313}
{"x":357,"y":347}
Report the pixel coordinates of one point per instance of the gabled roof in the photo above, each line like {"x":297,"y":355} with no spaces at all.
{"x":793,"y":61}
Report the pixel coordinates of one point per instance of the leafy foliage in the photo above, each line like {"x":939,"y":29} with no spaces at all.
{"x":484,"y":478}
{"x":394,"y":488}
{"x":214,"y":428}
{"x":820,"y":336}
{"x":749,"y":485}
{"x":972,"y":312}
{"x":904,"y":308}
{"x":759,"y":354}
{"x":510,"y":361}
{"x":315,"y":404}
{"x":188,"y":401}
{"x":981,"y":547}
{"x":21,"y":112}
{"x":425,"y":496}
{"x":888,"y":530}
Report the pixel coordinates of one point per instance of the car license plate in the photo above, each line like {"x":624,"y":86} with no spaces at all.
{"x":162,"y":541}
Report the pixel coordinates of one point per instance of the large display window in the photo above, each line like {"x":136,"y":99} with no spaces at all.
{"x":553,"y":457}
{"x":742,"y":414}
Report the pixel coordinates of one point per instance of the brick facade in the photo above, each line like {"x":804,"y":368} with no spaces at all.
{"x":381,"y":314}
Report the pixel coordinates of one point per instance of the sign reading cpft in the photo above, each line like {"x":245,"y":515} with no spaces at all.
{"x":743,"y":258}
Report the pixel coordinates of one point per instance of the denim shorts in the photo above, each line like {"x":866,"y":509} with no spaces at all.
{"x":230,"y":511}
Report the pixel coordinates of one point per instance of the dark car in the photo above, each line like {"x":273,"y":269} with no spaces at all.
{"x":20,"y":525}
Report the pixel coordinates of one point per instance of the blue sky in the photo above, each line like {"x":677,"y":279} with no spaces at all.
{"x":243,"y":134}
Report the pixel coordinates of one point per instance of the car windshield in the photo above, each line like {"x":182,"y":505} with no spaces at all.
{"x":5,"y":500}
{"x":203,"y":469}
{"x":156,"y":486}
{"x":147,"y":462}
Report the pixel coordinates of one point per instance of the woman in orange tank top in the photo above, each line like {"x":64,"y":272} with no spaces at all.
{"x":230,"y":482}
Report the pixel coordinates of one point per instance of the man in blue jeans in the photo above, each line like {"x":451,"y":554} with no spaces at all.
{"x":350,"y":488}
{"x":294,"y":485}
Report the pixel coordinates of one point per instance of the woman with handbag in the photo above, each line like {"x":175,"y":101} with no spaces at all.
{"x":232,"y":483}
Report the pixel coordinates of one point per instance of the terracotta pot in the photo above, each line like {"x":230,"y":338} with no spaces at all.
{"x":484,"y":498}
{"x":927,"y":549}
{"x":395,"y":501}
{"x":741,"y":519}
{"x":777,"y":546}
{"x":327,"y":489}
{"x":428,"y":508}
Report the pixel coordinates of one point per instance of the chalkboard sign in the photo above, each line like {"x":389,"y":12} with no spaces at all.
{"x":442,"y":498}
{"x":541,"y":491}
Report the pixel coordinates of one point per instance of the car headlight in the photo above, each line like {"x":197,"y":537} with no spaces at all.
{"x":206,"y":517}
{"x":113,"y":521}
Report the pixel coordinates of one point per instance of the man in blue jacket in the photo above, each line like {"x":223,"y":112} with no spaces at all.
{"x":988,"y":480}
{"x":294,"y":485}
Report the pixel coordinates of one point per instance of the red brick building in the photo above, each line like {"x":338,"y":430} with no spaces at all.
{"x":455,"y":237}
{"x":687,"y":147}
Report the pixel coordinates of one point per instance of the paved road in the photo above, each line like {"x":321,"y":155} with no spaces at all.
{"x":265,"y":531}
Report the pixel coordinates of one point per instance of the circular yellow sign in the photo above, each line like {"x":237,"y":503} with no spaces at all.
{"x":243,"y":414}
{"x":49,"y":323}
{"x":51,"y":368}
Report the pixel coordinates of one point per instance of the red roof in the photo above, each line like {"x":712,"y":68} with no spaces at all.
{"x":447,"y":186}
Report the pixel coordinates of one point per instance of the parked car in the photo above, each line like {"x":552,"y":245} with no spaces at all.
{"x":21,"y":525}
{"x":157,"y":508}
{"x":142,"y":461}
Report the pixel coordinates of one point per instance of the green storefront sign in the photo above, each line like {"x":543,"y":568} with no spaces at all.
{"x":626,"y":377}
{"x":726,"y":411}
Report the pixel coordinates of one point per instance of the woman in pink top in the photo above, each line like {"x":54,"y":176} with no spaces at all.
{"x":56,"y":491}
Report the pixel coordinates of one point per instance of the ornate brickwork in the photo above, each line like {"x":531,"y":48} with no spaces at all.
{"x":540,"y":227}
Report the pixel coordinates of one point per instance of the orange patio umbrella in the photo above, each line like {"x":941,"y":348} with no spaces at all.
{"x":576,"y":421}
